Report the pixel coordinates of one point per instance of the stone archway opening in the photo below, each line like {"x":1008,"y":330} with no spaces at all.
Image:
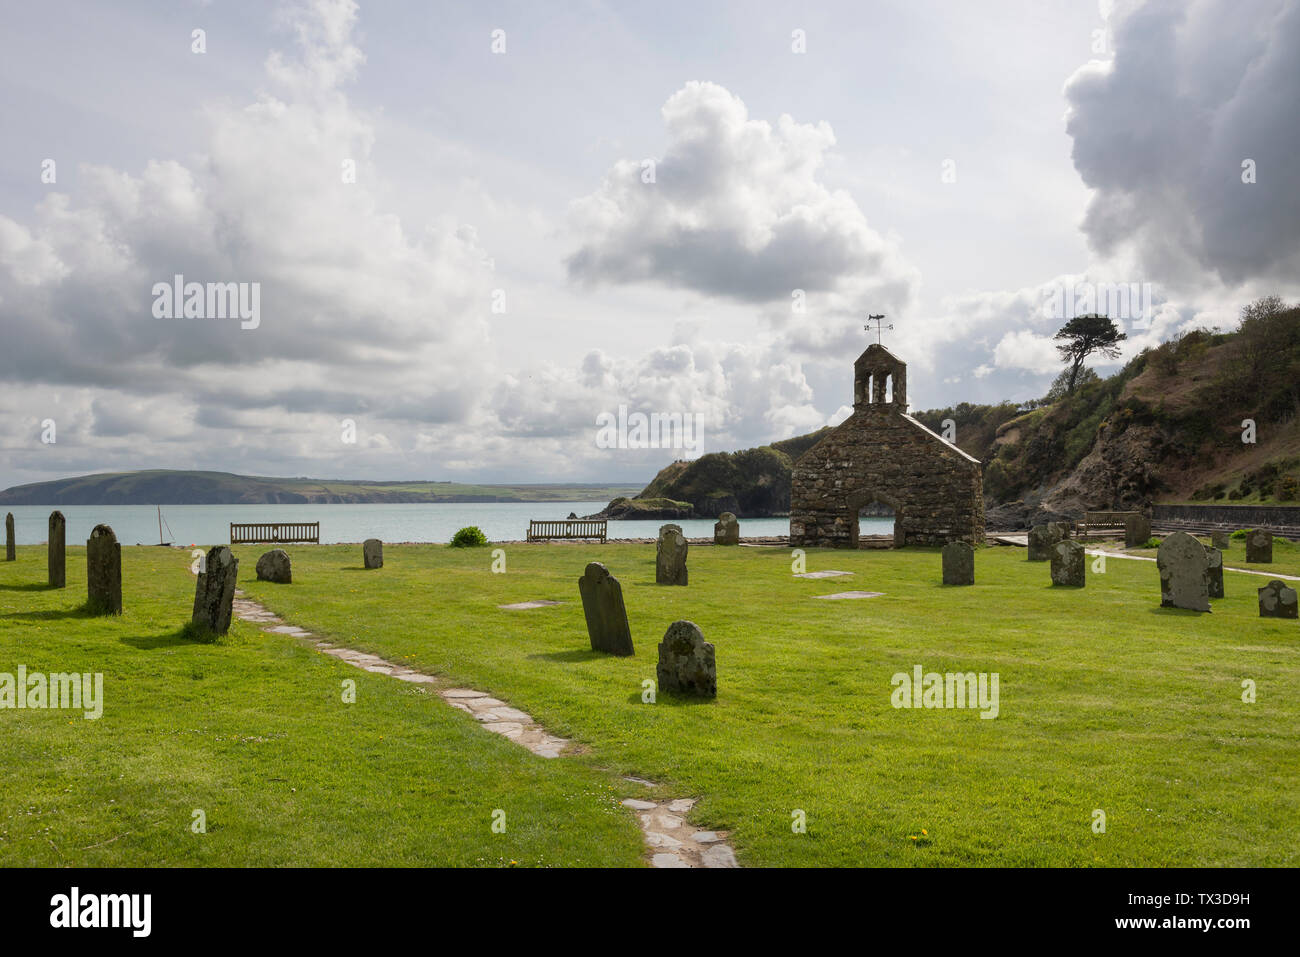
{"x":871,"y":513}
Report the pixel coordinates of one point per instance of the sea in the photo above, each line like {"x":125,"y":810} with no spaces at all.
{"x":500,"y":521}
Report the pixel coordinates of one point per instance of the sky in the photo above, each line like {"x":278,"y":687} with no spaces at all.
{"x":469,"y":234}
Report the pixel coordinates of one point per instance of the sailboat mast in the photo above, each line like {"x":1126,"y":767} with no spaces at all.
{"x":160,"y":541}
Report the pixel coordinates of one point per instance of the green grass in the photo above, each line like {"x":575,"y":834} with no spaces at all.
{"x":1107,"y":702}
{"x":253,"y":731}
{"x":1286,"y":556}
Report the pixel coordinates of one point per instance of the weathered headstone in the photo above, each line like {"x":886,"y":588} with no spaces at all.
{"x":9,"y":538}
{"x":1041,"y":540}
{"x":1137,"y":530}
{"x":1276,"y":600}
{"x":727,"y":530}
{"x":274,"y":566}
{"x":56,"y":551}
{"x":1214,"y":569}
{"x":602,"y":604}
{"x":670,"y":556}
{"x":1069,"y":564}
{"x":686,"y":662}
{"x":1259,"y":546}
{"x":1062,"y":530}
{"x":958,"y":564}
{"x":214,"y":593}
{"x":1184,"y":573}
{"x":103,"y":572}
{"x":372,"y":552}
{"x":1221,"y":540}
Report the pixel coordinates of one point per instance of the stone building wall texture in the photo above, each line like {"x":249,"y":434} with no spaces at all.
{"x":880,"y":453}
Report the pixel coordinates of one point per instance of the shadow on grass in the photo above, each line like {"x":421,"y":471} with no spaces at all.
{"x":34,"y":586}
{"x":577,"y":654}
{"x":54,"y":614}
{"x":1177,"y":612}
{"x":187,"y":634}
{"x":671,"y":699}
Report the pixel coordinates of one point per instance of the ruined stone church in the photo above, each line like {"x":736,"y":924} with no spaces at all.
{"x":882,"y":454}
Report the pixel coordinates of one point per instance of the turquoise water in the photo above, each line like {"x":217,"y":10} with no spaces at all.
{"x":210,"y":524}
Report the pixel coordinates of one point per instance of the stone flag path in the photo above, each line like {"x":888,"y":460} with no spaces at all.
{"x":1226,"y":568}
{"x":673,"y":842}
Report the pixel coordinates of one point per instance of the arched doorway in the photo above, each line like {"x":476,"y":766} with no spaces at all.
{"x":874,"y":505}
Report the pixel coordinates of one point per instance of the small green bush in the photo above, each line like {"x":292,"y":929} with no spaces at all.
{"x":1239,"y":533}
{"x":469,"y":537}
{"x":1152,"y":542}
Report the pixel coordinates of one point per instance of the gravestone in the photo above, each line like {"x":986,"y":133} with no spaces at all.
{"x":1221,"y":540}
{"x":1041,"y":540}
{"x":686,"y":662}
{"x":1259,"y":546}
{"x":670,"y":556}
{"x":1276,"y":600}
{"x":214,"y":593}
{"x":9,"y":538}
{"x":727,"y":530}
{"x":103,"y":572}
{"x":1214,"y":561}
{"x":1062,"y":530}
{"x":1184,"y":573}
{"x":56,"y":551}
{"x":958,"y":564}
{"x":1137,"y":530}
{"x":1069,"y":564}
{"x":274,"y":566}
{"x":372,"y":553}
{"x":602,"y":604}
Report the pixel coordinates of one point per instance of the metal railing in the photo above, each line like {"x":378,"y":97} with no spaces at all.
{"x":257,"y":533}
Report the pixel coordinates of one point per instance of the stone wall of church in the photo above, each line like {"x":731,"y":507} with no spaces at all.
{"x":879,"y":453}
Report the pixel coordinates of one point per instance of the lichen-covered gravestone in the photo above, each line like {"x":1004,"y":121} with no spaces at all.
{"x":1041,"y":540}
{"x":1221,"y":540}
{"x":958,"y":564}
{"x":1184,"y":573}
{"x":1069,"y":564}
{"x":103,"y":572}
{"x":1277,"y":601}
{"x":274,"y":566}
{"x":372,"y":553}
{"x":602,"y":604}
{"x":1214,"y":569}
{"x":214,"y":593}
{"x":686,"y":662}
{"x":9,"y":538}
{"x":727,"y":530}
{"x":1259,"y":546}
{"x":1137,"y":530}
{"x":670,"y":556}
{"x":56,"y":551}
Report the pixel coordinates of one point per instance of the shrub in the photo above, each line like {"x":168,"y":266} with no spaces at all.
{"x":1288,"y":490}
{"x":469,"y":537}
{"x":1152,"y":542}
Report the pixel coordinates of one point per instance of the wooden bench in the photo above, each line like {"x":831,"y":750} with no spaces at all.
{"x":567,"y":529}
{"x":1103,"y":524}
{"x":257,"y":533}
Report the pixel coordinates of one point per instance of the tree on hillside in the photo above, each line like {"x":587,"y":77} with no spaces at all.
{"x":1082,"y":336}
{"x":1061,"y":384}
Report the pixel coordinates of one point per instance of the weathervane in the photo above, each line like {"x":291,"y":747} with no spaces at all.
{"x":878,"y":320}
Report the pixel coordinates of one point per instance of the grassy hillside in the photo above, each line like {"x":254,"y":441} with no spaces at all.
{"x":168,"y":487}
{"x":1168,"y":427}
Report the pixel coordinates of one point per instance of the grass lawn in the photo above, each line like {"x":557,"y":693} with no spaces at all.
{"x":254,"y":732}
{"x":1107,"y":702}
{"x":1286,"y":556}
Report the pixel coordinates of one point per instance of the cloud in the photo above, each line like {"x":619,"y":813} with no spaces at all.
{"x":737,"y":210}
{"x":1161,"y":131}
{"x":357,"y":311}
